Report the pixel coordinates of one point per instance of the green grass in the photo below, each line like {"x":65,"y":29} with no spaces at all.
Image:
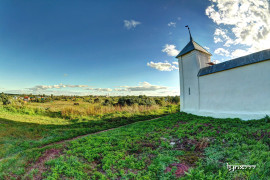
{"x":16,"y":135}
{"x":150,"y":150}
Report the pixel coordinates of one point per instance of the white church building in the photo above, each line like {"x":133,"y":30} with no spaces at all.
{"x":238,"y":88}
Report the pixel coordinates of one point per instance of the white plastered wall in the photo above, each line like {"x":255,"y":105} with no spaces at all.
{"x":242,"y":92}
{"x":189,"y":66}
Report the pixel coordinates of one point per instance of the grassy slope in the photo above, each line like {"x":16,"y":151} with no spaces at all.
{"x":151,"y":150}
{"x":16,"y":135}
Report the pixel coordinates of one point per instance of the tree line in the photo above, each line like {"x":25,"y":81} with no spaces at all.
{"x":104,"y":100}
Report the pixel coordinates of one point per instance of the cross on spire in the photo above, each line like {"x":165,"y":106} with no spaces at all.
{"x":189,"y":33}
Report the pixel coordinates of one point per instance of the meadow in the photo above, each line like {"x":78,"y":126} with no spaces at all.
{"x":38,"y":141}
{"x":175,"y":146}
{"x":35,"y":124}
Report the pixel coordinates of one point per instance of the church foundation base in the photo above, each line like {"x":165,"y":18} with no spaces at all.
{"x":243,"y":116}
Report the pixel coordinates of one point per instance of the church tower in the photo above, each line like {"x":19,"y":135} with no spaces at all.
{"x":191,"y":59}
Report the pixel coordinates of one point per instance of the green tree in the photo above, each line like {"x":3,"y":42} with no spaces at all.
{"x":96,"y":100}
{"x":176,"y":99}
{"x":4,"y":99}
{"x":160,"y":101}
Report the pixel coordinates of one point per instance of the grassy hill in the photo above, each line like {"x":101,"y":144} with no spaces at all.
{"x":176,"y":146}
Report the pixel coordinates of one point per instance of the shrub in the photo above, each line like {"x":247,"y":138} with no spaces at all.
{"x":267,"y":119}
{"x":4,"y":99}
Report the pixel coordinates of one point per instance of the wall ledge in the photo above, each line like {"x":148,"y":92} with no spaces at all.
{"x":241,"y":115}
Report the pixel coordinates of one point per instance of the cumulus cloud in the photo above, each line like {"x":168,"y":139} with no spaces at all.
{"x":170,"y":93}
{"x":59,"y":86}
{"x":166,"y":66}
{"x":144,"y":86}
{"x":120,"y":89}
{"x":220,"y":35}
{"x":129,"y":24}
{"x":170,"y":49}
{"x":217,"y":39}
{"x":222,"y":52}
{"x":246,"y":22}
{"x":239,"y":53}
{"x":172,"y":24}
{"x":216,"y":61}
{"x":99,"y":89}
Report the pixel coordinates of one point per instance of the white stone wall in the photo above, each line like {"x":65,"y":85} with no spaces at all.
{"x":189,"y":66}
{"x":242,"y":92}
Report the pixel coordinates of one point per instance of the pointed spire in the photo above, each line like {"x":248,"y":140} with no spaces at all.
{"x":189,"y":33}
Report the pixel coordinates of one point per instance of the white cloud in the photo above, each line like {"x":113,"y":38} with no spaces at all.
{"x":170,"y":93}
{"x":67,"y":93}
{"x":222,"y":33}
{"x":170,"y":50}
{"x":176,"y":63}
{"x":246,"y":20}
{"x":207,"y":48}
{"x":216,"y":61}
{"x":172,"y":24}
{"x":217,"y":39}
{"x":144,"y":86}
{"x":100,"y":89}
{"x":59,"y":86}
{"x":239,"y":53}
{"x":129,"y":24}
{"x":179,"y":18}
{"x":120,"y":89}
{"x":166,"y":66}
{"x":46,"y":91}
{"x":222,"y":52}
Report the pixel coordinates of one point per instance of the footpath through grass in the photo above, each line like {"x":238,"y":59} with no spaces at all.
{"x":176,"y":146}
{"x":17,"y":136}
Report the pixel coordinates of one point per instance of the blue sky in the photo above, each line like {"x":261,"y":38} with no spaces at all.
{"x":118,"y":47}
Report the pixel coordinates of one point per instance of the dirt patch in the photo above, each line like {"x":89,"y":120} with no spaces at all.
{"x":188,"y":144}
{"x":193,"y":151}
{"x":147,"y":144}
{"x":40,"y":163}
{"x":190,"y":158}
{"x":180,"y":169}
{"x":260,"y":134}
{"x":208,"y":125}
{"x":179,"y":123}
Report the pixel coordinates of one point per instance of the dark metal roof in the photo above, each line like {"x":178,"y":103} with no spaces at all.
{"x":241,"y":61}
{"x":192,"y":45}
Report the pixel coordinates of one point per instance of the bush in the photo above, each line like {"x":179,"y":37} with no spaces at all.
{"x":267,"y":119}
{"x":96,"y":100}
{"x":4,"y":99}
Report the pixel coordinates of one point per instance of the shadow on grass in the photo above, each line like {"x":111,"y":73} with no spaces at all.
{"x":19,"y":136}
{"x":74,"y":124}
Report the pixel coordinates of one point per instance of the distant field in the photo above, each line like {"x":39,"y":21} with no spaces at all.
{"x":165,"y":148}
{"x":63,"y":112}
{"x":85,"y":108}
